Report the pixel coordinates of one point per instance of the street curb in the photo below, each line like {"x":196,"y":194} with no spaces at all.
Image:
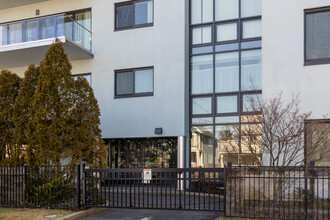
{"x":82,"y":214}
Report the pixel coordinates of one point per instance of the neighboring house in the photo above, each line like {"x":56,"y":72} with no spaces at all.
{"x":172,"y":77}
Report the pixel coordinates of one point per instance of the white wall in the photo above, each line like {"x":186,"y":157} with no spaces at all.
{"x":283,"y":56}
{"x":162,"y":46}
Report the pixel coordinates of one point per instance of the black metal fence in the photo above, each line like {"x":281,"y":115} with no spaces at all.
{"x":278,"y":192}
{"x":186,"y":189}
{"x":40,"y":187}
{"x":253,"y":192}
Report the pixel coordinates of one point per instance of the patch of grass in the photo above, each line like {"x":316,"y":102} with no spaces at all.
{"x":33,"y":214}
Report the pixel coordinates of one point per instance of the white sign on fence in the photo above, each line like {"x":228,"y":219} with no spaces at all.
{"x":147,"y":175}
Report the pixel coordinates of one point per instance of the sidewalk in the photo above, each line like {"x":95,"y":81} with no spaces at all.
{"x":151,"y":214}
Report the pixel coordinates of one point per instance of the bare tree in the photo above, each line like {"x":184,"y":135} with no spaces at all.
{"x":277,"y":131}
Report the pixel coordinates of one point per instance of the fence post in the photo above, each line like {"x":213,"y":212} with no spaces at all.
{"x":78,"y":186}
{"x":312,"y":184}
{"x":84,"y":183}
{"x":306,"y":191}
{"x":224,"y":188}
{"x":229,"y":166}
{"x":25,"y":185}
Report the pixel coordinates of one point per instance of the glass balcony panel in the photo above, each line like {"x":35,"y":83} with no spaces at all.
{"x":49,"y":27}
{"x":15,"y":33}
{"x":3,"y":35}
{"x":60,"y":26}
{"x":32,"y":30}
{"x":83,"y":23}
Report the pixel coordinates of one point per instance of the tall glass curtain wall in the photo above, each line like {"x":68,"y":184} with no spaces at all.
{"x":75,"y":26}
{"x":143,"y":153}
{"x":225,"y":53}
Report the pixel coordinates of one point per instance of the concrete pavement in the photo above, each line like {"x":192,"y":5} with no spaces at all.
{"x":152,"y":214}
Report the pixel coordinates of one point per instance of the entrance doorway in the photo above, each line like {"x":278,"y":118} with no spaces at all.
{"x":143,"y":153}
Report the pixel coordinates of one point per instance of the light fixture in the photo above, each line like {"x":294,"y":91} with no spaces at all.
{"x":158,"y":130}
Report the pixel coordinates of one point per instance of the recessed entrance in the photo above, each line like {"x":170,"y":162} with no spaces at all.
{"x":143,"y":153}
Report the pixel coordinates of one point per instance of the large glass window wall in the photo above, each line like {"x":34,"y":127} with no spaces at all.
{"x":225,"y":73}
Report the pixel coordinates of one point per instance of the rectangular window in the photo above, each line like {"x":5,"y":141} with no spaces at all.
{"x":227,"y":32}
{"x":134,"y":14}
{"x":226,"y":9}
{"x":318,"y":142}
{"x":227,"y":148}
{"x":227,"y":72}
{"x":317,"y":36}
{"x":250,"y":8}
{"x":134,"y":82}
{"x":251,"y":103}
{"x":202,"y":35}
{"x":227,"y":104}
{"x":202,"y":146}
{"x":202,"y":106}
{"x":251,"y":29}
{"x":202,"y":11}
{"x":251,"y":77}
{"x":202,"y":74}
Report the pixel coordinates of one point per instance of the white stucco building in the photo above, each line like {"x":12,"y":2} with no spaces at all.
{"x":172,"y":76}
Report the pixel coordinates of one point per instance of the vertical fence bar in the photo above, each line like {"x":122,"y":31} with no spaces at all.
{"x":84,"y":183}
{"x":78,"y":186}
{"x":225,"y":191}
{"x":25,"y":184}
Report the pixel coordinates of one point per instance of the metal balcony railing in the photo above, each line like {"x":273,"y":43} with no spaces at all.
{"x":45,"y":28}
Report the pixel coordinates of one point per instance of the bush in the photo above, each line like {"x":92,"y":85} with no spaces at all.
{"x":53,"y":191}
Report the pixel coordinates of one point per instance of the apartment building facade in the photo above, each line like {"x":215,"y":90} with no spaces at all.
{"x":172,"y":77}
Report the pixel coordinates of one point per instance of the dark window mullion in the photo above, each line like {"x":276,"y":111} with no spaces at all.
{"x":134,"y":82}
{"x":240,"y":37}
{"x":133,"y":5}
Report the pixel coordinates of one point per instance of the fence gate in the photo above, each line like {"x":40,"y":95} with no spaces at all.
{"x":186,"y":189}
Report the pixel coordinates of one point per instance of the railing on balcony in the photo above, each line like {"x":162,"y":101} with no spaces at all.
{"x":45,"y":28}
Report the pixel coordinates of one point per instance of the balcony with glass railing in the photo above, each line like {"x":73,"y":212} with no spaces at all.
{"x":4,"y":4}
{"x":25,"y":42}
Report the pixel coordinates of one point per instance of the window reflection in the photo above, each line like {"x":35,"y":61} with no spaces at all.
{"x":202,"y":146}
{"x":230,"y":73}
{"x":251,"y":70}
{"x":143,"y":153}
{"x":227,"y":148}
